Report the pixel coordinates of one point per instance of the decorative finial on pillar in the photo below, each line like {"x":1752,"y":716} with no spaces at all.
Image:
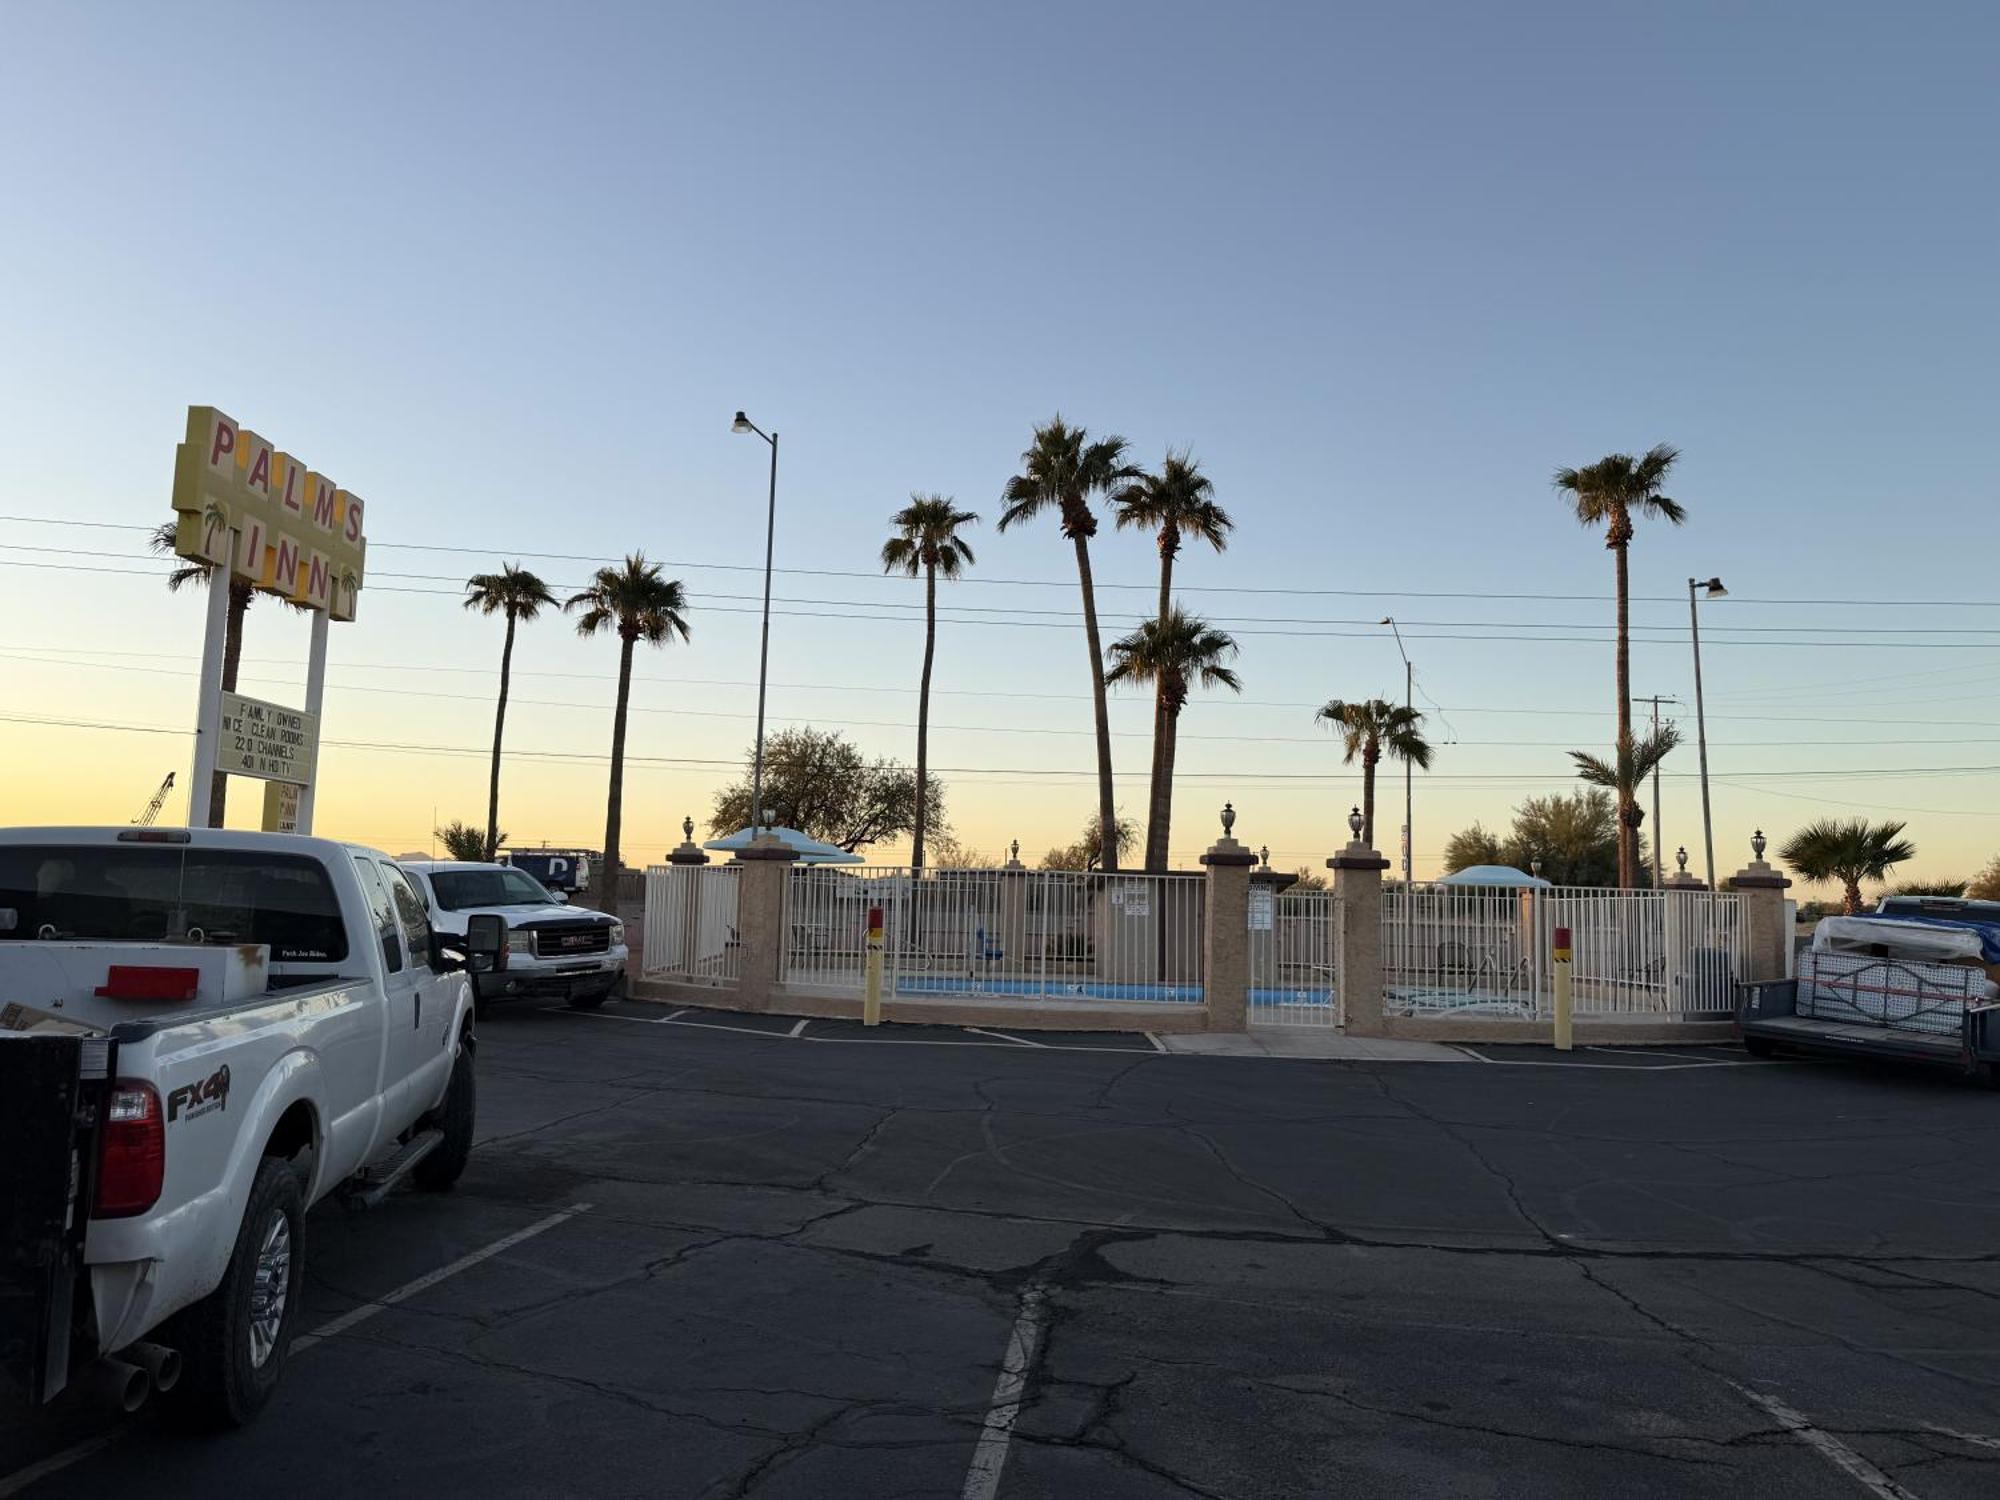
{"x":1757,"y":843}
{"x":1228,"y":818}
{"x":1264,"y":854}
{"x":1014,"y":851}
{"x":687,"y":829}
{"x":1354,"y":822}
{"x":1681,"y":858}
{"x":1535,"y":868}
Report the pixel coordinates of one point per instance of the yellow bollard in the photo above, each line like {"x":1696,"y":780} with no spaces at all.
{"x":1562,"y":956}
{"x":871,"y":995}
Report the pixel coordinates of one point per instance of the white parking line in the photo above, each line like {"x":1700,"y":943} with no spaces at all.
{"x":1001,"y":1036}
{"x":804,"y":1022}
{"x":982,"y":1480}
{"x":20,"y":1479}
{"x":425,"y":1282}
{"x":832,"y":1041}
{"x":1829,"y":1447}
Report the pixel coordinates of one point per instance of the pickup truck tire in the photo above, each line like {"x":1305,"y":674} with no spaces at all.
{"x":587,"y":999}
{"x":1760,"y":1046}
{"x":456,"y":1117}
{"x":234,"y":1342}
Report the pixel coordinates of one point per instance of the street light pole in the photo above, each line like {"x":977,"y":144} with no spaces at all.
{"x":1659,"y":847}
{"x":744,"y":424}
{"x":1714,"y":589}
{"x":1409,"y":772}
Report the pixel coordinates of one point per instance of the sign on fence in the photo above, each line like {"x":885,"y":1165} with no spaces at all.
{"x":1263,"y":905}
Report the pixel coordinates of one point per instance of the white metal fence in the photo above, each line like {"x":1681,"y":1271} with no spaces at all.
{"x":691,"y":931}
{"x":1027,"y":933}
{"x":1467,"y":949}
{"x":1294,"y":957}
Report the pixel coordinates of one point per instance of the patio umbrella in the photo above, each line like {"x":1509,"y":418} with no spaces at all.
{"x":810,"y":850}
{"x":1503,"y":876}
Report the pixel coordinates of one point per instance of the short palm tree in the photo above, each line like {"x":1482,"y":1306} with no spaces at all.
{"x":1612,"y":491}
{"x":519,"y":595}
{"x":1371,"y":729}
{"x":1174,"y":654}
{"x":1849,"y":850}
{"x":1060,"y":471}
{"x":1625,"y":773}
{"x":1176,"y":503}
{"x":636,"y":602}
{"x":240,"y":594}
{"x":927,"y":541}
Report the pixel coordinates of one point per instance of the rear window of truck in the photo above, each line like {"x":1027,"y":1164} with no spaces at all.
{"x":170,"y":893}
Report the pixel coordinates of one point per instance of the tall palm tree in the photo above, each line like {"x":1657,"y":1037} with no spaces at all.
{"x":1849,"y":850}
{"x":1061,"y":470}
{"x":927,"y":540}
{"x":1625,"y":773}
{"x":1173,"y":654}
{"x":1176,"y":503}
{"x":1370,"y":729}
{"x":1612,"y":491}
{"x":519,"y":595}
{"x":241,"y":593}
{"x":640,"y":605}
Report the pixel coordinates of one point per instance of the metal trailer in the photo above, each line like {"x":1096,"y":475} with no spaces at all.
{"x":1863,"y":1005}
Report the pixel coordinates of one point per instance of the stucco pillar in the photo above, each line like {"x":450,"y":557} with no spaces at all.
{"x":1226,"y":933}
{"x":1357,"y":907}
{"x":760,"y":917}
{"x":1014,"y":914}
{"x":1766,"y":934}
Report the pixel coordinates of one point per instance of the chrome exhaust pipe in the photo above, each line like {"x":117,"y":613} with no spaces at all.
{"x":161,"y":1364}
{"x":121,"y":1385}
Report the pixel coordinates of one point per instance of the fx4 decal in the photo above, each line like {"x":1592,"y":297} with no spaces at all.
{"x":193,"y":1100}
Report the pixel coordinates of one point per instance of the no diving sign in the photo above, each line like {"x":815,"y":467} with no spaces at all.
{"x":266,"y":740}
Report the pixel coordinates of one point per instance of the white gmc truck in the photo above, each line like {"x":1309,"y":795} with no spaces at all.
{"x":202,"y":1034}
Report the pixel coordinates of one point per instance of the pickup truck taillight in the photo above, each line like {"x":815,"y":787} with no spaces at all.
{"x":134,"y":1159}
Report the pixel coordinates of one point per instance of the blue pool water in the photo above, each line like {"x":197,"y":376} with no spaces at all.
{"x":1092,"y":989}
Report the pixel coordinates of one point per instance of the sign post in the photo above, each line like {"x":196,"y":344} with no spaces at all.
{"x":871,"y":995}
{"x":1562,"y":978}
{"x":256,"y":516}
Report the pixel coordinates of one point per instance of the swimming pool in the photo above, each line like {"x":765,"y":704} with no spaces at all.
{"x":1092,"y":989}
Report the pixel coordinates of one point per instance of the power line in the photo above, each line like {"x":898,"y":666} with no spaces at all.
{"x":861,"y":612}
{"x":1067,"y":583}
{"x":1183,"y":736}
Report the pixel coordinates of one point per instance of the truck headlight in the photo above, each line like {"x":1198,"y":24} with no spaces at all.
{"x":520,"y":942}
{"x":617,"y":934}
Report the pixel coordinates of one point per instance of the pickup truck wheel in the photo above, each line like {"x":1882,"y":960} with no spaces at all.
{"x":1760,"y":1046}
{"x":587,"y":999}
{"x":235,"y":1341}
{"x":456,"y":1118}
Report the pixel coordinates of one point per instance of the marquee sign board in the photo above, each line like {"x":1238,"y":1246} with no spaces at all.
{"x":266,"y":740}
{"x":296,"y":533}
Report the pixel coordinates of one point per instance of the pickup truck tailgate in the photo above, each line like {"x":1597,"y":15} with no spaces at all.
{"x":51,"y":1100}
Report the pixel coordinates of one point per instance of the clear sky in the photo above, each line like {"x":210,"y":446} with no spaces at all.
{"x":506,"y":272}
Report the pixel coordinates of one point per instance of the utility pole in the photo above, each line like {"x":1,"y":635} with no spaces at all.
{"x":1659,"y":843}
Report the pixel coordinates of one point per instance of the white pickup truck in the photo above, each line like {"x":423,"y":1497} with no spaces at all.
{"x":202,"y":1034}
{"x":555,"y":950}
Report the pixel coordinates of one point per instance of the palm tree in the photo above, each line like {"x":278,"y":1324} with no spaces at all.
{"x":1176,"y":503}
{"x":1372,"y":729}
{"x":927,"y":538}
{"x":640,"y":605}
{"x":520,"y":595}
{"x":1849,"y":850}
{"x":241,"y":592}
{"x":1173,"y":654}
{"x":1625,"y":773}
{"x":1613,"y":490}
{"x":1061,"y":470}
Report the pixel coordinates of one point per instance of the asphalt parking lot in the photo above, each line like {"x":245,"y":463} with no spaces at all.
{"x":707,"y":1257}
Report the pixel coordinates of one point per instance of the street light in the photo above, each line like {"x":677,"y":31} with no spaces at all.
{"x":1409,"y":772}
{"x":744,"y":424}
{"x":1713,"y":589}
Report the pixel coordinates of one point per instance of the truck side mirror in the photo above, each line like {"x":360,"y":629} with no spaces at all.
{"x":486,"y":942}
{"x":561,"y":898}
